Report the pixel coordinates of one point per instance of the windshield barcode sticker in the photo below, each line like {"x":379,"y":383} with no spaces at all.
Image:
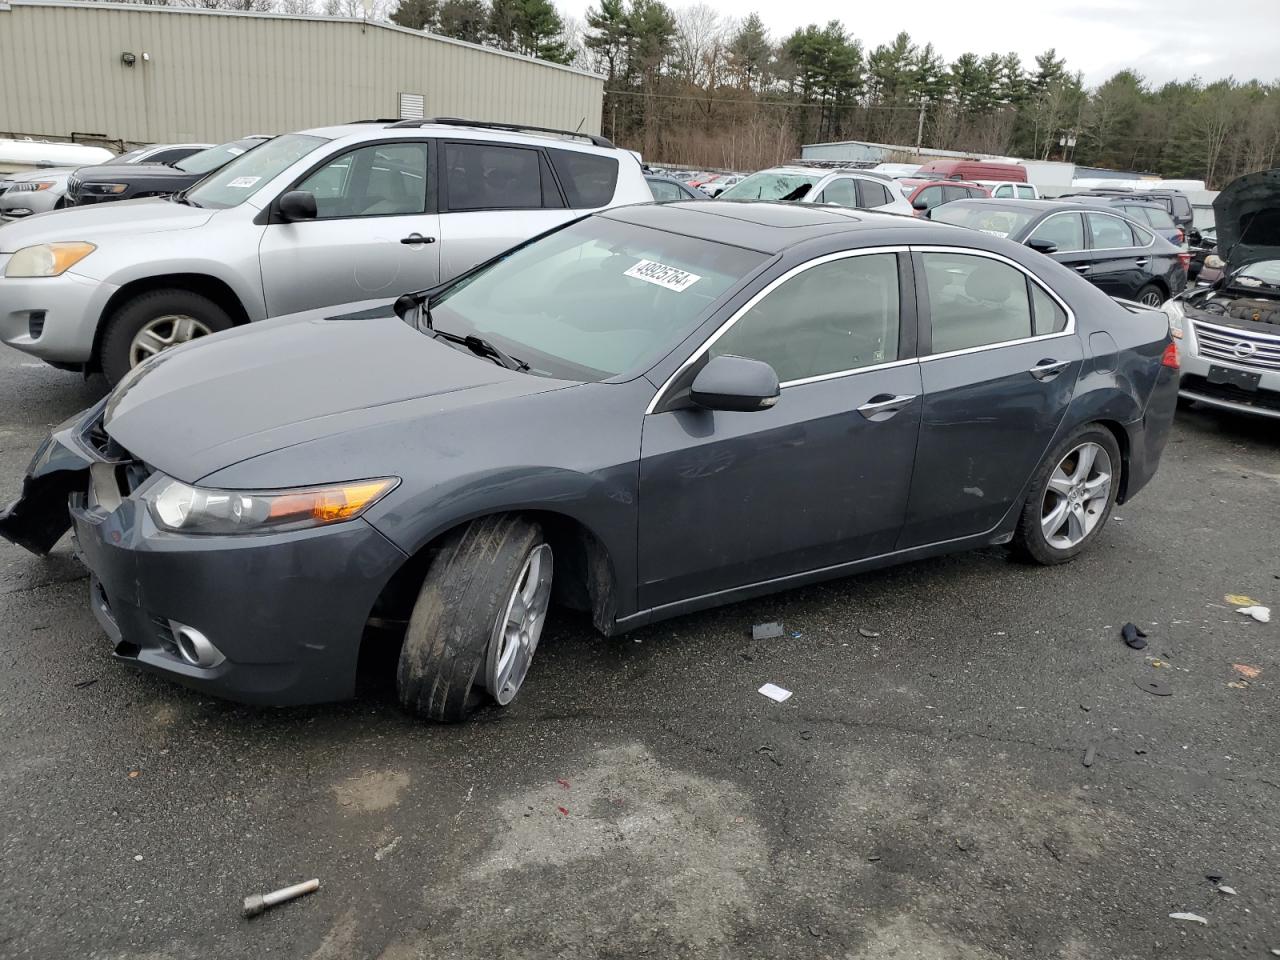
{"x":243,"y":181}
{"x":994,"y":233}
{"x":673,"y":278}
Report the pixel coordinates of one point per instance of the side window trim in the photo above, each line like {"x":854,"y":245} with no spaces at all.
{"x":924,"y":319}
{"x":431,"y":205}
{"x":907,"y":317}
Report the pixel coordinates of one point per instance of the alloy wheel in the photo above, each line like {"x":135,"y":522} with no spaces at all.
{"x":1076,"y":496}
{"x":515,"y":635}
{"x":162,"y":333}
{"x":1152,"y":298}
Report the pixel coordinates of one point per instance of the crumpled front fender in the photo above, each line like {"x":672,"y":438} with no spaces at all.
{"x":60,"y":467}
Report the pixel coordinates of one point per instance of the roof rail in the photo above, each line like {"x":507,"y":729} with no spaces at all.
{"x":377,"y":120}
{"x":512,"y":127}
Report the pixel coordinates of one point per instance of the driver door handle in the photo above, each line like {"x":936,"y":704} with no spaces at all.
{"x":1048,"y":369}
{"x":1083,"y":268}
{"x":1142,"y":261}
{"x":884,"y":405}
{"x":416,"y":238}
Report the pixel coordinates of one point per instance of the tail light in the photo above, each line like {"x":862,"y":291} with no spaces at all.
{"x":1170,"y":357}
{"x":1185,"y":260}
{"x":1182,"y":235}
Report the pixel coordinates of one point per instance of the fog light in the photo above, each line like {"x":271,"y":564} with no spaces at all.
{"x":194,"y":647}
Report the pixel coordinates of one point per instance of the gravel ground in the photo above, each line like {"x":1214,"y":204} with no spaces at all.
{"x":922,"y":796}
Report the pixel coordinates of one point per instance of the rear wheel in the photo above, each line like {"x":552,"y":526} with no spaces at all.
{"x":477,"y":620}
{"x":153,"y":322}
{"x":1071,"y":497}
{"x":1150,"y":295}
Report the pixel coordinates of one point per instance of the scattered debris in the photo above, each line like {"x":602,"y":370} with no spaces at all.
{"x":874,"y":858}
{"x":869,"y":634}
{"x":766,"y":631}
{"x":1245,"y":670}
{"x":1157,"y":662}
{"x":1052,"y":848}
{"x":563,"y":782}
{"x":1089,"y":753}
{"x":963,"y":843}
{"x":1193,"y":917}
{"x":1215,"y":877}
{"x":564,"y":811}
{"x":259,"y":902}
{"x":1229,"y":891}
{"x":806,"y":734}
{"x":739,"y":819}
{"x":1133,"y":636}
{"x":1118,"y":519}
{"x":383,"y":852}
{"x":775,"y":692}
{"x":1153,"y":687}
{"x":1259,"y":613}
{"x":1239,"y":600}
{"x":1238,"y":684}
{"x":768,"y":752}
{"x":815,"y":930}
{"x":134,"y":774}
{"x":81,"y":684}
{"x":138,"y":858}
{"x":796,"y":635}
{"x":1084,"y":707}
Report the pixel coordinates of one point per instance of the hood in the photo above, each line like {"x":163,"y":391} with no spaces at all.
{"x":1247,"y":215}
{"x":99,"y":220}
{"x":43,"y":173}
{"x":128,"y":172}
{"x":255,"y":389}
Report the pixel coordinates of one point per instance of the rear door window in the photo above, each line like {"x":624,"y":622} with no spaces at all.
{"x":839,"y":191}
{"x":1107,"y":232}
{"x":954,"y":193}
{"x":1062,"y":229}
{"x":664,"y":190}
{"x":1003,"y":191}
{"x":873,"y":194}
{"x":488,"y":176}
{"x":1027,"y":193}
{"x":974,"y":301}
{"x":589,"y":179}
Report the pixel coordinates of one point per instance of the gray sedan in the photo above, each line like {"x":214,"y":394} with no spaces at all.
{"x":649,"y":411}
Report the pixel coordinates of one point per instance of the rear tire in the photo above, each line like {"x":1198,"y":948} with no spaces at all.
{"x":154,"y":321}
{"x":1150,"y":295}
{"x":467,"y":619}
{"x":1070,"y":501}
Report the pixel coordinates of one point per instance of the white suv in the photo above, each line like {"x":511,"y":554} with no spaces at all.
{"x":846,"y":188}
{"x":364,"y":211}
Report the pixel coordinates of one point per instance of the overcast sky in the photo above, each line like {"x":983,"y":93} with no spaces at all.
{"x":1161,"y":39}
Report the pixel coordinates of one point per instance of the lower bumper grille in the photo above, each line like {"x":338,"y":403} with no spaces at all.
{"x":1262,"y":399}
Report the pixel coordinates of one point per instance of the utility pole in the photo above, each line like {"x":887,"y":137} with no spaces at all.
{"x":920,"y":126}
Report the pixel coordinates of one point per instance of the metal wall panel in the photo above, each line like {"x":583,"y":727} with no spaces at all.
{"x":213,"y":76}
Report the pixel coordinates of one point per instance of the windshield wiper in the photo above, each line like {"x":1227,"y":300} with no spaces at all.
{"x":181,"y":197}
{"x":481,"y":347}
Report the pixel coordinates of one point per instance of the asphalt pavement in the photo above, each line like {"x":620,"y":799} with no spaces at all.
{"x":921,"y":796}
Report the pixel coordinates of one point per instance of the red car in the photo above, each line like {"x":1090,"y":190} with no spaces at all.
{"x":927,"y":194}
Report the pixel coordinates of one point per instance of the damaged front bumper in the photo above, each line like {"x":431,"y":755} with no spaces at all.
{"x":284,"y":612}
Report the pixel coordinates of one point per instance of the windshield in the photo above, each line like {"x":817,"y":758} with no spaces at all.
{"x":129,"y":157}
{"x":235,"y":182}
{"x":595,"y":299}
{"x":992,"y":218}
{"x":212,"y":158}
{"x":1268,"y":271}
{"x":772,"y":185}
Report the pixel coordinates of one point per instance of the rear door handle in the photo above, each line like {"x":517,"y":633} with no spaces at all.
{"x":1048,"y":369}
{"x":1083,"y":268}
{"x":884,"y":405}
{"x":416,"y":238}
{"x":1142,"y":262}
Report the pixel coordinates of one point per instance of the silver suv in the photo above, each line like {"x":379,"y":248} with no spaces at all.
{"x":364,"y":211}
{"x":842,"y":187}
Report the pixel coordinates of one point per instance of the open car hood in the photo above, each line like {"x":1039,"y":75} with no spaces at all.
{"x":1247,"y":213}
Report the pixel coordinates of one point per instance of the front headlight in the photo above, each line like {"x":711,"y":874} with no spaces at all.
{"x":103,"y":189}
{"x":31,"y":186}
{"x":1173,"y":310}
{"x":47,"y":259}
{"x":183,"y":508}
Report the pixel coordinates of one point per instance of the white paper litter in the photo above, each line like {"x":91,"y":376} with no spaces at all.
{"x":1193,"y":917}
{"x":1260,"y":613}
{"x":775,"y":692}
{"x":1229,"y":891}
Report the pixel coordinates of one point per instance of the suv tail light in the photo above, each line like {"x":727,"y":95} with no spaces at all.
{"x":1170,"y":357}
{"x":1184,"y":259}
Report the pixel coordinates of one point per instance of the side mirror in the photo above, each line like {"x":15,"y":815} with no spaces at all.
{"x":297,"y":205}
{"x":735,"y":383}
{"x":1043,"y":246}
{"x":920,"y":203}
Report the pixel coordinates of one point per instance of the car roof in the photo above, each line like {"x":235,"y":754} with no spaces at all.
{"x":763,"y":225}
{"x":359,"y":132}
